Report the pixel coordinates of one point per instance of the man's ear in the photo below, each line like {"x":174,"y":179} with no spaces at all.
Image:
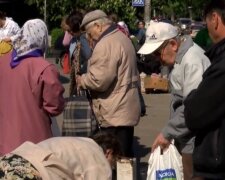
{"x":100,"y":27}
{"x":174,"y":45}
{"x":215,"y":18}
{"x":108,"y":152}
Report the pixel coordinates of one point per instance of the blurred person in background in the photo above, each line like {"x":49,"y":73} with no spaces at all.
{"x":74,"y":21}
{"x":203,"y":39}
{"x":141,"y":33}
{"x":8,"y":27}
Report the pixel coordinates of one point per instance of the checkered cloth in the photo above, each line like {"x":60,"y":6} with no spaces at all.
{"x":78,"y":119}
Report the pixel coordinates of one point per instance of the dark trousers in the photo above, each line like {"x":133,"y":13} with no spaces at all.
{"x":125,"y":136}
{"x":188,"y":167}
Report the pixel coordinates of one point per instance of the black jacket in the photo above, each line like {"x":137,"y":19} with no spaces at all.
{"x":205,"y":115}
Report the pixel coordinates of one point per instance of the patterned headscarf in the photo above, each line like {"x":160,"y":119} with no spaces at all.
{"x":123,"y":27}
{"x":32,"y":41}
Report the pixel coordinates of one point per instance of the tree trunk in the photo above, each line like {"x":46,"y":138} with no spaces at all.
{"x":172,"y":15}
{"x":147,"y":15}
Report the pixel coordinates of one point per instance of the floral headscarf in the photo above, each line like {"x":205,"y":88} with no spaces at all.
{"x":31,"y":41}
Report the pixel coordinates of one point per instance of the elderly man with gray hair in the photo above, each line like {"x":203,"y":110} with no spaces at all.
{"x":187,"y":63}
{"x":112,"y":78}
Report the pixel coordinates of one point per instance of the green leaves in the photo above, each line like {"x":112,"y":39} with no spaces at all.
{"x":179,"y":7}
{"x":56,"y":9}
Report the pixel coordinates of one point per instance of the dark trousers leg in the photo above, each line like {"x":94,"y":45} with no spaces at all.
{"x":125,"y":136}
{"x":188,"y":167}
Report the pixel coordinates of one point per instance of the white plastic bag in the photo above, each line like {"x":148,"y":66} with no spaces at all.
{"x":166,"y":165}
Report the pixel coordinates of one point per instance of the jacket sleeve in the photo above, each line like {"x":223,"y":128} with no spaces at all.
{"x":176,"y":127}
{"x":102,"y":70}
{"x":53,"y":101}
{"x":205,"y":106}
{"x":85,"y":48}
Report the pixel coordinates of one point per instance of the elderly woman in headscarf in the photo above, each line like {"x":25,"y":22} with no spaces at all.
{"x":30,"y":89}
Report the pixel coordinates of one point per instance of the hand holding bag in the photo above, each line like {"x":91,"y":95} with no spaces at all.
{"x":78,"y":116}
{"x":166,"y":165}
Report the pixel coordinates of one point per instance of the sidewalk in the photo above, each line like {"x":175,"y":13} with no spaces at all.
{"x":149,"y":127}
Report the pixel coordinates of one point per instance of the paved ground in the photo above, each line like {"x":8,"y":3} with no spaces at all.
{"x":149,"y":127}
{"x":157,"y":106}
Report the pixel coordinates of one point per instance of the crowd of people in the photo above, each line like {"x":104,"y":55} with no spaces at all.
{"x":104,"y":62}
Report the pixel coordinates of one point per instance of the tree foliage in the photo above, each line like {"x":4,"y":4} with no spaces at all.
{"x":179,"y":8}
{"x":56,"y":9}
{"x":122,"y":8}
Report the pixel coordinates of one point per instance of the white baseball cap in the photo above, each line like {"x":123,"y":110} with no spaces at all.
{"x":156,"y":34}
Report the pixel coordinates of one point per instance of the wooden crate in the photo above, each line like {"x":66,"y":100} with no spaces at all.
{"x":156,"y":83}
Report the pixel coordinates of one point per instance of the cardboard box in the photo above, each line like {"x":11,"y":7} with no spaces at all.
{"x":126,"y":169}
{"x":156,"y":83}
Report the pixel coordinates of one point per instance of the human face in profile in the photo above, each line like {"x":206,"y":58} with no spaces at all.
{"x":166,"y":53}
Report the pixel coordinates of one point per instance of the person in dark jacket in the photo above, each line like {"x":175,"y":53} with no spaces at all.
{"x":141,"y":33}
{"x":205,"y":107}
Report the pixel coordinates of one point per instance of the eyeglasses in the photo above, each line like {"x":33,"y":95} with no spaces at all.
{"x":159,"y":51}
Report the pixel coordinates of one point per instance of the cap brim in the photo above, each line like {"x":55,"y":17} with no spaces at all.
{"x":149,"y":48}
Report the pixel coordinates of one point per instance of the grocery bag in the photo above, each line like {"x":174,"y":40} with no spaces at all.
{"x":165,"y":165}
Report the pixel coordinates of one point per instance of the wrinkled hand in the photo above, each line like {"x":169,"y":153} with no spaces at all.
{"x":160,"y":141}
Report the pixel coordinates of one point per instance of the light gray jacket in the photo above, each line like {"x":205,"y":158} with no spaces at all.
{"x":190,"y":63}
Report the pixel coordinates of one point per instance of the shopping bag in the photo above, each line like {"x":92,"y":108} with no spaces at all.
{"x":78,"y":118}
{"x":165,"y":165}
{"x":66,"y":63}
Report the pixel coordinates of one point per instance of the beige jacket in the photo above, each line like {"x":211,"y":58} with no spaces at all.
{"x":113,"y":79}
{"x":69,"y":158}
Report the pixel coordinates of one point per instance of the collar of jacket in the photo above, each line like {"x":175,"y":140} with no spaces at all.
{"x":107,"y":31}
{"x":216,"y":50}
{"x":186,"y":43}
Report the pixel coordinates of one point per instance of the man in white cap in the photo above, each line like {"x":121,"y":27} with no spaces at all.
{"x":187,"y":63}
{"x":112,"y":78}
